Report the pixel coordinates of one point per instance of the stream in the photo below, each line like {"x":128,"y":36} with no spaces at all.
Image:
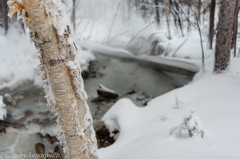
{"x":31,"y":115}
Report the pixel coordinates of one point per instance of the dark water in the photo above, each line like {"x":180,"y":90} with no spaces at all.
{"x":121,"y":76}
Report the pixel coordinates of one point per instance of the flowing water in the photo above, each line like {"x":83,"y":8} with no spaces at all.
{"x":128,"y":79}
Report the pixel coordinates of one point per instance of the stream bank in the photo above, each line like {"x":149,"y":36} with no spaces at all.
{"x":31,"y":116}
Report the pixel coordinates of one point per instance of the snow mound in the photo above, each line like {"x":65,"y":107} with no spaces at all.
{"x":143,"y":135}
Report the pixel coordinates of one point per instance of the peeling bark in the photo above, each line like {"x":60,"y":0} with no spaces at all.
{"x":62,"y":74}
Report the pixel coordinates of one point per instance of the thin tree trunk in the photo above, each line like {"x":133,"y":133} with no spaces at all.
{"x":1,"y":14}
{"x":224,"y":35}
{"x":157,"y":12}
{"x":73,"y":15}
{"x":204,"y":7}
{"x":199,"y":10}
{"x":211,"y":26}
{"x":166,"y":13}
{"x":5,"y":15}
{"x":195,"y":9}
{"x":64,"y":87}
{"x":189,"y":24}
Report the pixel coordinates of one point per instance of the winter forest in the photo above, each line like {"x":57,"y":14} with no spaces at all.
{"x":119,"y":79}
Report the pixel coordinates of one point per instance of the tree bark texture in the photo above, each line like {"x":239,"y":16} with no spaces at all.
{"x":235,"y":27}
{"x":1,"y":14}
{"x":64,"y":84}
{"x":5,"y":15}
{"x":211,"y":26}
{"x":157,"y":12}
{"x":199,"y":10}
{"x":224,"y":35}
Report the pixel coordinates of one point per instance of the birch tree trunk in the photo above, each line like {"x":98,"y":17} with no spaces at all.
{"x":50,"y":31}
{"x":224,"y":35}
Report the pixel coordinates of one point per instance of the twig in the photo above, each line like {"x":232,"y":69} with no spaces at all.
{"x":179,"y":47}
{"x":92,"y":28}
{"x":85,"y":26}
{"x":120,"y":35}
{"x":165,"y":51}
{"x":137,"y":34}
{"x":113,"y":21}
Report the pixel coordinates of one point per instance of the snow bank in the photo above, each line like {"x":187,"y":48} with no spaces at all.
{"x":19,"y":59}
{"x":143,"y":133}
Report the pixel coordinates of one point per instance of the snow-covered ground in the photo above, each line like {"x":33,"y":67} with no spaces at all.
{"x":19,"y":59}
{"x":145,"y":132}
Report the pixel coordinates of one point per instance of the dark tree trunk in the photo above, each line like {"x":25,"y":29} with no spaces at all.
{"x":189,"y":7}
{"x":1,"y":15}
{"x":5,"y":15}
{"x":235,"y":27}
{"x":74,"y":15}
{"x":157,"y":12}
{"x":199,"y":10}
{"x":224,"y":35}
{"x":211,"y":27}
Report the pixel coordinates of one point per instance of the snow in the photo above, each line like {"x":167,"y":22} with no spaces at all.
{"x":19,"y":60}
{"x":3,"y":111}
{"x":103,"y":88}
{"x":213,"y":98}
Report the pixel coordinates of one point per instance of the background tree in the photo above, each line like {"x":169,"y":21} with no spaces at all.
{"x":5,"y":15}
{"x":211,"y":26}
{"x":73,"y":15}
{"x":157,"y":12}
{"x":235,"y":27}
{"x":224,"y":35}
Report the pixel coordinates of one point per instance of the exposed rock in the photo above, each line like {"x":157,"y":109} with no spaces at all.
{"x":44,"y":113}
{"x":49,"y":138}
{"x":8,"y":99}
{"x":47,"y":121}
{"x":99,"y":125}
{"x":36,"y":100}
{"x":131,"y":92}
{"x":103,"y":136}
{"x":2,"y":130}
{"x":115,"y":137}
{"x":107,"y":93}
{"x":84,"y":74}
{"x":101,"y":100}
{"x":11,"y":130}
{"x":140,"y":96}
{"x":59,"y":149}
{"x":14,"y":86}
{"x":21,"y":97}
{"x":40,"y":149}
{"x":7,"y":124}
